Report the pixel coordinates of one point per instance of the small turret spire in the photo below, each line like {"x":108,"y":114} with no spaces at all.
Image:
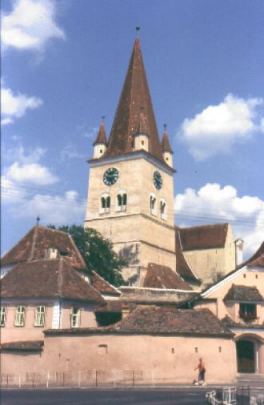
{"x":165,"y":141}
{"x":101,"y":135}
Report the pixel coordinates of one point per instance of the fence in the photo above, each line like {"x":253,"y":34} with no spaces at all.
{"x":236,"y":396}
{"x":86,"y":378}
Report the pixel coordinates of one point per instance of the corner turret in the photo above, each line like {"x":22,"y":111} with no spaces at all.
{"x":166,"y":148}
{"x":100,"y":144}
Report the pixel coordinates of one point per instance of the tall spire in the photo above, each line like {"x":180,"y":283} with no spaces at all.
{"x":135,"y":98}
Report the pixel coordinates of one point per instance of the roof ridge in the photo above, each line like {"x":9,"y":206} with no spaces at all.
{"x":93,"y":271}
{"x":202,"y":226}
{"x":60,"y":276}
{"x":35,"y":231}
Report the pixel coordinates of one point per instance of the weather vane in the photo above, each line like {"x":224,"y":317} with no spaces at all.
{"x":137,"y":29}
{"x":37,"y":220}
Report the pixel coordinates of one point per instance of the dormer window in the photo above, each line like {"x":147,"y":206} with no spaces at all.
{"x":121,"y":201}
{"x":247,"y":311}
{"x":105,"y":204}
{"x":52,"y":253}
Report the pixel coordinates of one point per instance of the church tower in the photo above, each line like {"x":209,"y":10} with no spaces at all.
{"x":130,"y":196}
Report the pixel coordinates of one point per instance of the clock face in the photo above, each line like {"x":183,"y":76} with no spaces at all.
{"x":157,"y":180}
{"x":110,"y":176}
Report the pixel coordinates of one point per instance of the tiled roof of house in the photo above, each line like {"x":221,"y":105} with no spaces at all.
{"x":162,"y":319}
{"x":257,"y":260}
{"x":203,"y":237}
{"x":101,"y":135}
{"x":243,"y":293}
{"x":48,"y":279}
{"x":158,"y":276}
{"x":105,"y":288}
{"x":158,"y":320}
{"x":182,"y":267}
{"x":34,"y":246}
{"x":135,"y":102}
{"x":229,"y":323}
{"x":27,"y":346}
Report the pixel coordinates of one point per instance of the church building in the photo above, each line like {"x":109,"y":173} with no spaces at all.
{"x":131,"y":195}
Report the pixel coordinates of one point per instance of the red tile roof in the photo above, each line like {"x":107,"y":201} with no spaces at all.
{"x":158,"y":276}
{"x":242,"y":293}
{"x":203,"y":237}
{"x":48,"y":279}
{"x":161,"y":319}
{"x":257,"y":260}
{"x":101,"y":135}
{"x":182,"y":267}
{"x":135,"y":99}
{"x":34,"y":246}
{"x":27,"y":346}
{"x":105,"y":288}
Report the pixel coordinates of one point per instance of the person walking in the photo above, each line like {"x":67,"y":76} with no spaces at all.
{"x":201,"y":372}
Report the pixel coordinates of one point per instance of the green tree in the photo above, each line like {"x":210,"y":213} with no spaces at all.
{"x":97,"y":252}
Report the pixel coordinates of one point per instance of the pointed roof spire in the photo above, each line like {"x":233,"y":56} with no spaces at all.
{"x":129,"y":115}
{"x":101,"y":135}
{"x":165,"y":141}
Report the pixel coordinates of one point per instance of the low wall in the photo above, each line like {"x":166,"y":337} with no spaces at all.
{"x":115,"y":359}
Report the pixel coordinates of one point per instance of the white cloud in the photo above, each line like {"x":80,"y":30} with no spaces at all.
{"x":18,"y":154}
{"x":15,"y":106}
{"x":70,"y":152}
{"x":213,"y":203}
{"x":10,"y":192}
{"x":55,"y":209}
{"x":218,"y":127}
{"x":32,"y":173}
{"x":30,"y":25}
{"x":21,"y":190}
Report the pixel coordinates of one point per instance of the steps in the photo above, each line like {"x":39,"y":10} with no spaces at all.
{"x":252,"y":380}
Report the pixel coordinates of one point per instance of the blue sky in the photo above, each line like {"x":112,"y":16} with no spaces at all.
{"x":63,"y":67}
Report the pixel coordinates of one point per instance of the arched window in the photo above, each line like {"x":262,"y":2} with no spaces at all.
{"x":105,"y":204}
{"x":152,"y":204}
{"x":121,"y":201}
{"x":163,"y":209}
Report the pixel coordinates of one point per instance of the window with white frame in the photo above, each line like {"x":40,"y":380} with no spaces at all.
{"x":105,"y":204}
{"x":163,"y":209}
{"x":152,"y":204}
{"x":121,"y":201}
{"x":75,"y":317}
{"x":2,"y":316}
{"x":40,"y":315}
{"x":20,"y":316}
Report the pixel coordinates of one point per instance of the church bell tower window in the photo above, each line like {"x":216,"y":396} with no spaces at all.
{"x":121,"y":202}
{"x":105,"y":204}
{"x":152,"y":204}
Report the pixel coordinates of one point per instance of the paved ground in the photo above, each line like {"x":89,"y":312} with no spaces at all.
{"x":193,"y":396}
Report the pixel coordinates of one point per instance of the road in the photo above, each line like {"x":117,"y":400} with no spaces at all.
{"x":192,"y":396}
